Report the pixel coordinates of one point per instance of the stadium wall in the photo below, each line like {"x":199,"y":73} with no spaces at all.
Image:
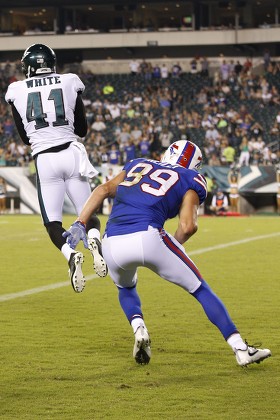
{"x":142,"y":39}
{"x":258,"y":188}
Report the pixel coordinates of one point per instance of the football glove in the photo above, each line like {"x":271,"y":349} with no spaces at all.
{"x":75,"y":234}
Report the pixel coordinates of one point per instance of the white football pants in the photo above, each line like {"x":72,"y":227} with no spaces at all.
{"x":158,"y":251}
{"x":57,"y":174}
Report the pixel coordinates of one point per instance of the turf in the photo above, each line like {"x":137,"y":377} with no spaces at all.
{"x":68,"y":356}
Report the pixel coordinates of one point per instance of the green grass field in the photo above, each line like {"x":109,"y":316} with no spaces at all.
{"x":68,"y":356}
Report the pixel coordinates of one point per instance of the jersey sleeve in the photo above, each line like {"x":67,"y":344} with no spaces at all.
{"x":199,"y":185}
{"x":78,"y":84}
{"x":11,"y":93}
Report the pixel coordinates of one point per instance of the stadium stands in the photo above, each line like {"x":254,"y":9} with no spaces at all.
{"x":177,"y":104}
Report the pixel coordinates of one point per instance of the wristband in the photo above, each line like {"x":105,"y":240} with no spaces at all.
{"x":80,"y":221}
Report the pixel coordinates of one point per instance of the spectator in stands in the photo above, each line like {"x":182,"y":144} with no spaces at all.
{"x":212,"y":133}
{"x":124,"y":136}
{"x":3,"y":161}
{"x":277,"y":119}
{"x":129,"y":151}
{"x":219,"y":205}
{"x":266,"y":59}
{"x":231,"y":69}
{"x":165,"y":138}
{"x":130,"y":112}
{"x":176,"y":70}
{"x":136,"y":133}
{"x":204,"y":67}
{"x":201,"y":97}
{"x":155,"y":146}
{"x":104,"y":157}
{"x":256,"y":129}
{"x":224,"y":71}
{"x":114,"y":110}
{"x":144,"y":146}
{"x":243,"y":113}
{"x":247,"y":66}
{"x":3,"y":195}
{"x":94,"y":157}
{"x":206,"y":121}
{"x":143,"y":67}
{"x":156,"y":72}
{"x":114,"y":155}
{"x":211,"y":147}
{"x":108,"y":201}
{"x":164,"y":72}
{"x":246,"y":124}
{"x":260,"y":145}
{"x":108,"y":89}
{"x":98,"y":124}
{"x":149,"y":72}
{"x":244,"y":157}
{"x":8,"y":127}
{"x":275,"y":130}
{"x":99,"y":139}
{"x":193,"y":66}
{"x":134,"y":67}
{"x":228,"y":154}
{"x":214,"y":160}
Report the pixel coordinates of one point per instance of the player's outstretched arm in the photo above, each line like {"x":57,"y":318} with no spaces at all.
{"x":187,"y":217}
{"x":98,"y":195}
{"x":77,"y":231}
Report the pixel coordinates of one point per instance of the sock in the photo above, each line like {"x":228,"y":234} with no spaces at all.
{"x":130,"y":303}
{"x":67,"y":251}
{"x":94,"y":233}
{"x":136,"y":322}
{"x":215,"y":310}
{"x":236,"y":343}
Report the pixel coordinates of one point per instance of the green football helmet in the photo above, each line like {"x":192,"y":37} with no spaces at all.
{"x":38,"y":59}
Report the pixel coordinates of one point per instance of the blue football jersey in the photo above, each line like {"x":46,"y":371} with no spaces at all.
{"x":151,"y":193}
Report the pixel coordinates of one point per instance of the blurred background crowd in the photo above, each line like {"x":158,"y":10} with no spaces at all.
{"x":232,"y":114}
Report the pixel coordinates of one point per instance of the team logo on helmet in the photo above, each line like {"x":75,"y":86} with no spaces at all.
{"x":183,"y":153}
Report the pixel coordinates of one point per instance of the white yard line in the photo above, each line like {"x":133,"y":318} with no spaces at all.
{"x":242,"y":241}
{"x":11,"y":296}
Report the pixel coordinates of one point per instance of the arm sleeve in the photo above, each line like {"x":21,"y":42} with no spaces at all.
{"x":80,"y":121}
{"x":19,"y":125}
{"x":199,"y":185}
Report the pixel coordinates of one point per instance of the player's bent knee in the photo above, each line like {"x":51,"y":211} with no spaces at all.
{"x":55,"y":231}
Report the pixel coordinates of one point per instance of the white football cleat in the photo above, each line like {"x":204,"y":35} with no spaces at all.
{"x":142,"y":349}
{"x":251,"y":355}
{"x":77,"y":278}
{"x":99,"y":264}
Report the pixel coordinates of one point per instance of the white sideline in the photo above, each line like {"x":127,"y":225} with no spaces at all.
{"x":11,"y":296}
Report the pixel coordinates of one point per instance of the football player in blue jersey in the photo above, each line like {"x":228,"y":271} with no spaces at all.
{"x":147,"y":193}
